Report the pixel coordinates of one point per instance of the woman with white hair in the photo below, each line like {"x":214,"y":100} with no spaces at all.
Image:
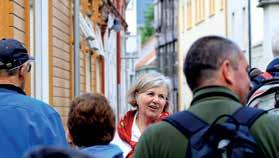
{"x":150,"y":96}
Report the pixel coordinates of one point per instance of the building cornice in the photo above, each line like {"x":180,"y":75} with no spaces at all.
{"x":264,"y":3}
{"x":112,"y":9}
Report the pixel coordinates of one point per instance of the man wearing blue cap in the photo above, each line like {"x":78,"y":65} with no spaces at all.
{"x":273,"y":66}
{"x":24,"y":121}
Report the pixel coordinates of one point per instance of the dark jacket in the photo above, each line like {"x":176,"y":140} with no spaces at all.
{"x":165,"y":141}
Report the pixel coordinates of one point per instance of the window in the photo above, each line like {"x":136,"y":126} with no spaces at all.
{"x":159,"y":14}
{"x":88,"y":72}
{"x":200,"y":11}
{"x":189,"y":14}
{"x":211,"y":7}
{"x":130,"y":5}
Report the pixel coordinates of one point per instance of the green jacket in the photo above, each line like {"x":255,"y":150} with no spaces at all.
{"x":162,"y":140}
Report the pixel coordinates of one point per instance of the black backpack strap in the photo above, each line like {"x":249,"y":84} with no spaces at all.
{"x":247,"y":116}
{"x":186,"y":122}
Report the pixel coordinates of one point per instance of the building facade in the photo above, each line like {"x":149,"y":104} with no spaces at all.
{"x":147,"y":61}
{"x":250,"y":24}
{"x":261,"y":25}
{"x":135,"y":19}
{"x":46,"y":28}
{"x":165,"y":23}
{"x":239,"y":28}
{"x":196,"y":18}
{"x":270,"y":27}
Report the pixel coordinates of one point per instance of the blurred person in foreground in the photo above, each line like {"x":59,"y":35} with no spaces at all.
{"x":150,"y":96}
{"x":52,"y":152}
{"x":25,"y":122}
{"x":91,"y":125}
{"x":273,"y":66}
{"x":216,"y":71}
{"x":265,"y":85}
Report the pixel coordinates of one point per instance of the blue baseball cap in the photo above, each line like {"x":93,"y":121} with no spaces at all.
{"x":273,"y":66}
{"x":12,"y":54}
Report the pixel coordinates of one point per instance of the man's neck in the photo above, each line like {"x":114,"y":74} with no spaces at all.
{"x":12,"y":88}
{"x":10,"y":81}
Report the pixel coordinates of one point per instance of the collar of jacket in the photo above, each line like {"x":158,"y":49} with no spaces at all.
{"x":12,"y":88}
{"x":213,"y":91}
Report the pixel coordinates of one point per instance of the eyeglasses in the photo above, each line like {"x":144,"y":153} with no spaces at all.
{"x":29,"y":67}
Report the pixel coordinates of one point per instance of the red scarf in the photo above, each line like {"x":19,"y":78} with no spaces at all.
{"x":124,"y":129}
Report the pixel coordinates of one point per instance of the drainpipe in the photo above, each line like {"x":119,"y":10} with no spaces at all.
{"x":76,"y":49}
{"x":249,"y":34}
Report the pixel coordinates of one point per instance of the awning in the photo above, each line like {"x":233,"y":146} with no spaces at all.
{"x":92,"y":36}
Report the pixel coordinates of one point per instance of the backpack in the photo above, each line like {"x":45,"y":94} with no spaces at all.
{"x":257,"y":77}
{"x":264,"y":92}
{"x":265,"y":96}
{"x":230,"y":139}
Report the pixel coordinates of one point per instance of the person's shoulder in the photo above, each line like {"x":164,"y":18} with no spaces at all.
{"x":34,"y":107}
{"x":109,"y":150}
{"x":271,"y":117}
{"x":25,"y":99}
{"x":267,"y":122}
{"x":162,"y":130}
{"x":26,"y":103}
{"x":161,"y":140}
{"x":158,"y":127}
{"x":39,"y":105}
{"x":265,"y":130}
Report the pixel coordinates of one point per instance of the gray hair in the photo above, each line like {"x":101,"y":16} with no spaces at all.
{"x":146,"y":82}
{"x":5,"y":72}
{"x":205,"y":57}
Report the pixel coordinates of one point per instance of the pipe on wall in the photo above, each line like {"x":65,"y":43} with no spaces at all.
{"x":76,"y":49}
{"x":249,"y":34}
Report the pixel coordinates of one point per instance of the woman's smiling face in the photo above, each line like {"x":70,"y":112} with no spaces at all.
{"x":151,"y":103}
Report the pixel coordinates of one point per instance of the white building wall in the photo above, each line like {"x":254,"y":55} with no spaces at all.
{"x":182,"y":94}
{"x":238,"y":30}
{"x":147,"y":47}
{"x":271,"y":27}
{"x":263,"y":27}
{"x":237,"y":23}
{"x":123,"y":89}
{"x":132,"y":43}
{"x":110,"y":68}
{"x":212,"y":25}
{"x":40,"y":48}
{"x":128,"y":56}
{"x":131,"y":17}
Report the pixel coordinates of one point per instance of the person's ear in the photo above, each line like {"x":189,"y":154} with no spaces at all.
{"x":227,"y":72}
{"x":23,"y":70}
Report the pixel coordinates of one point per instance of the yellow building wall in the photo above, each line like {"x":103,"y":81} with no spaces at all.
{"x":93,"y":73}
{"x":60,"y":55}
{"x":96,"y":72}
{"x":196,"y":18}
{"x":14,"y":23}
{"x":82,"y":72}
{"x":183,"y":18}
